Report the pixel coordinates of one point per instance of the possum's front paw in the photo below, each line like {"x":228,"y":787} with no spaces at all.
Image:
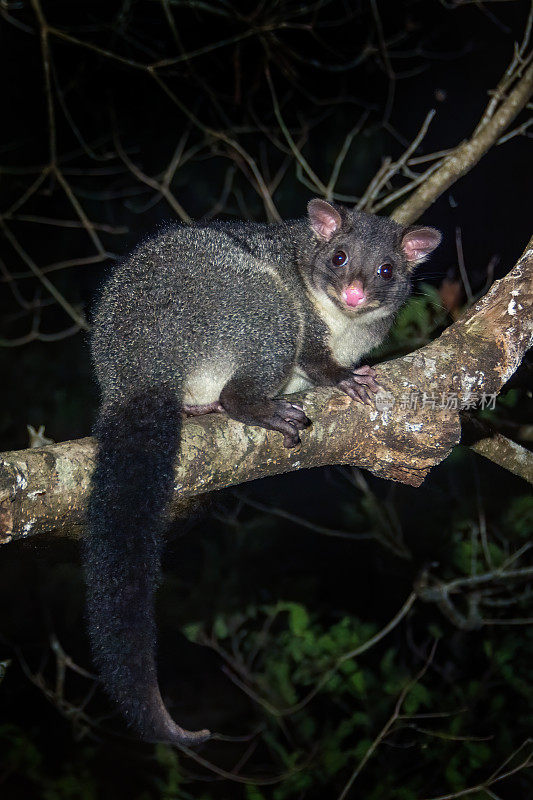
{"x":359,"y":384}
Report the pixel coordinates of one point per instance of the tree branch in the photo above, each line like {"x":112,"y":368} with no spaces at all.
{"x":466,"y":155}
{"x":45,"y":489}
{"x":484,"y":438}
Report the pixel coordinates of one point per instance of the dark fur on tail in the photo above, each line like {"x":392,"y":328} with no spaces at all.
{"x":132,"y":484}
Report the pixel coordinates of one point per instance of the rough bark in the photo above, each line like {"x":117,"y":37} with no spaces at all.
{"x":507,"y":454}
{"x":45,"y":489}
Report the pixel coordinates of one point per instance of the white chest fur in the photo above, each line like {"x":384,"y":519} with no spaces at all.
{"x":350,"y":336}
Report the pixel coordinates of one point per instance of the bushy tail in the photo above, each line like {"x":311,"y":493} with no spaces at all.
{"x":132,"y":484}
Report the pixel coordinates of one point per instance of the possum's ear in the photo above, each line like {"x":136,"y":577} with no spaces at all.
{"x":418,"y":243}
{"x":324,"y":219}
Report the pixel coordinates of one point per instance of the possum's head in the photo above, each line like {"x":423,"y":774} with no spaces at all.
{"x":361,"y":262}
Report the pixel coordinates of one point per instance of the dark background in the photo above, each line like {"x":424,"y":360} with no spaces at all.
{"x":332,"y":65}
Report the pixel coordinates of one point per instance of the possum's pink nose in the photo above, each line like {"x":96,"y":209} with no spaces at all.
{"x":354,"y":295}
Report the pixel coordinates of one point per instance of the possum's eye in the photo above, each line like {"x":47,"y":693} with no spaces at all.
{"x":385,"y":271}
{"x":339,"y":258}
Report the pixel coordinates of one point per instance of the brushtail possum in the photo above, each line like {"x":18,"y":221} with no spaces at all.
{"x":217,"y":316}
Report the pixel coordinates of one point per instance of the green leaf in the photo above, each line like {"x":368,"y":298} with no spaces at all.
{"x":192,"y":631}
{"x":253,"y":793}
{"x":357,"y":682}
{"x":334,"y":761}
{"x":387,"y":662}
{"x":418,"y":696}
{"x":220,"y":628}
{"x":298,"y":619}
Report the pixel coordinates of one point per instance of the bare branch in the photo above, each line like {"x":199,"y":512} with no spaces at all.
{"x":497,"y":776}
{"x":56,"y":294}
{"x":466,"y":155}
{"x":507,"y":454}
